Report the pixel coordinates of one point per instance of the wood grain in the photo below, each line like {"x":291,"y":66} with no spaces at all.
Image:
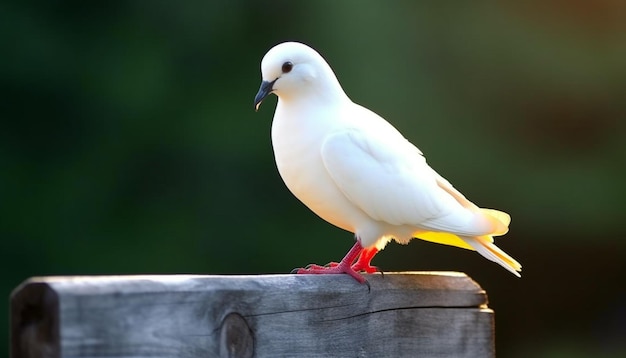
{"x":425,"y":314}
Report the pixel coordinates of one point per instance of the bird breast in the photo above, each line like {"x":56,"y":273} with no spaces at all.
{"x":297,"y":143}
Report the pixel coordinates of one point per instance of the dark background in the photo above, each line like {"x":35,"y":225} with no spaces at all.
{"x":129,"y":144}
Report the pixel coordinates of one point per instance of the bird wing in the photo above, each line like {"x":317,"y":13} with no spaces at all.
{"x":387,"y":177}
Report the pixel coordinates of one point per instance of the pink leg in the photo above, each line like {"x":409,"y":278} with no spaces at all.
{"x":344,"y":266}
{"x":363,"y":264}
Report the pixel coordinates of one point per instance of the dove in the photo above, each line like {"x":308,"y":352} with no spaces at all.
{"x":356,"y":171}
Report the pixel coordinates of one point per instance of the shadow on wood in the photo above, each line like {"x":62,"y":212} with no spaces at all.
{"x":425,"y":314}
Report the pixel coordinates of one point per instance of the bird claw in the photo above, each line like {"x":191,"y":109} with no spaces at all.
{"x":314,"y":267}
{"x":369,"y":287}
{"x":365,"y":268}
{"x":347,"y":265}
{"x":337,"y":269}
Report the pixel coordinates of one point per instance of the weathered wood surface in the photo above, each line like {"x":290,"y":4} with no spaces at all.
{"x":426,"y":314}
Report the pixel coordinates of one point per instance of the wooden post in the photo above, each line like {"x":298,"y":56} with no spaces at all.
{"x":425,"y":314}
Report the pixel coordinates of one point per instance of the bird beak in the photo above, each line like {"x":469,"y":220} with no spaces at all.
{"x":264,"y":91}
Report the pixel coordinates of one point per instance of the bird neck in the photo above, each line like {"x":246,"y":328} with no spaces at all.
{"x":316,"y":94}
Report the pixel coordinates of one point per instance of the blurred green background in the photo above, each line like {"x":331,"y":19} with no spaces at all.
{"x":129,"y":144}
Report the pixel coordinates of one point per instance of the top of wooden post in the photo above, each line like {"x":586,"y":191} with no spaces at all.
{"x":254,"y":315}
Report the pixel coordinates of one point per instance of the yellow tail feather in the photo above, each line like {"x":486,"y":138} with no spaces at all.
{"x":442,"y":238}
{"x":484,"y":245}
{"x":499,"y":219}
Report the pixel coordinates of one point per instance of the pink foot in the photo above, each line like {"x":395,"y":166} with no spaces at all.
{"x":332,"y":270}
{"x":363,"y":263}
{"x":344,"y":266}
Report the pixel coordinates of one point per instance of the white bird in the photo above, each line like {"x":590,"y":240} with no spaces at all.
{"x":356,"y":171}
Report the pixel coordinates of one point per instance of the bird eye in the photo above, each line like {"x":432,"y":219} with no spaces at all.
{"x":287,"y":66}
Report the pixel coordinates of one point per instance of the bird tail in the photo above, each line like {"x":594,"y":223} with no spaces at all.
{"x":499,"y":219}
{"x":484,"y":245}
{"x":497,"y":223}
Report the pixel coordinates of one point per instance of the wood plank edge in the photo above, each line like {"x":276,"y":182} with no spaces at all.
{"x":34,"y":321}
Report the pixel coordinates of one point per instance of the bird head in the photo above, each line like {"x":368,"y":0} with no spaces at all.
{"x":294,"y":70}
